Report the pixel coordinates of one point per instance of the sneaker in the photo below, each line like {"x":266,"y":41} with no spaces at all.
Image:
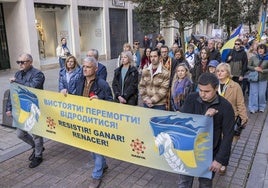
{"x":222,"y":170}
{"x":36,"y":162}
{"x":261,"y":111}
{"x":252,"y":112}
{"x":31,"y":157}
{"x":94,"y":183}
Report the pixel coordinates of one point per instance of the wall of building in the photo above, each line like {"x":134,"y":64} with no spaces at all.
{"x":38,"y":30}
{"x":20,"y":29}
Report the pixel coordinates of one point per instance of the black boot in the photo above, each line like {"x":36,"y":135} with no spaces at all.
{"x":36,"y":162}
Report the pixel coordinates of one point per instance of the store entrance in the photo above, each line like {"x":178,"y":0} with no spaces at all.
{"x":4,"y":56}
{"x":118,"y":31}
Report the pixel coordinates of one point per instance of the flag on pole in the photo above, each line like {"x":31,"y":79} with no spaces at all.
{"x":261,"y":25}
{"x":228,"y":46}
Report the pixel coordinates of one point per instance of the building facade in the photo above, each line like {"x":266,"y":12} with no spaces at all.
{"x":36,"y":27}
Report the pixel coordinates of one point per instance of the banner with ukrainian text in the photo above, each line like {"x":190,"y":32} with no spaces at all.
{"x":169,"y":141}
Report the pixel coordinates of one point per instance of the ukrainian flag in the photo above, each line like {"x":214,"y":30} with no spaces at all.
{"x":228,"y":46}
{"x":182,"y":135}
{"x":261,"y":25}
{"x":26,"y":99}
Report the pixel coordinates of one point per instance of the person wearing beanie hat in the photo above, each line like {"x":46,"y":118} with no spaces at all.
{"x":212,"y":66}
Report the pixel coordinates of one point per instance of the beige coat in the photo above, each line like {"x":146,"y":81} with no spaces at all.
{"x":235,"y":96}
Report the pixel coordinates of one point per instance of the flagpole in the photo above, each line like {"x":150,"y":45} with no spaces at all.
{"x":219,"y":15}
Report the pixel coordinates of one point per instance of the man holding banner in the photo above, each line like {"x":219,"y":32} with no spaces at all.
{"x":95,"y":88}
{"x":31,"y":77}
{"x":208,"y":102}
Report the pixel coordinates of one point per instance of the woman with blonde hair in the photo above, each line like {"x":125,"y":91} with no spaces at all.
{"x":231,"y":91}
{"x":181,"y":86}
{"x":69,"y":75}
{"x":126,"y":47}
{"x":125,"y":81}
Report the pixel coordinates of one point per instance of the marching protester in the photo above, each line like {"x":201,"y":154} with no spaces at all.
{"x":154,"y":83}
{"x":102,"y":70}
{"x":258,"y":66}
{"x":208,"y":102}
{"x":31,"y":77}
{"x":181,"y":86}
{"x":95,"y":88}
{"x":125,"y":81}
{"x":232,"y":91}
{"x":238,"y":61}
{"x":69,"y":76}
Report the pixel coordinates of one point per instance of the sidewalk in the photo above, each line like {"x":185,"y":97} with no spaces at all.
{"x":66,"y":166}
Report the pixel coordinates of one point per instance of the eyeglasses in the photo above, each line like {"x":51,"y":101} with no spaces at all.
{"x":136,"y":43}
{"x":22,"y":62}
{"x":237,"y":44}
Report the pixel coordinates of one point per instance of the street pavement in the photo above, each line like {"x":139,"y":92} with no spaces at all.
{"x":66,"y":166}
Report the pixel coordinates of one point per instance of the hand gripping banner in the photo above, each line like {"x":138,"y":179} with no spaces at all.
{"x":164,"y":140}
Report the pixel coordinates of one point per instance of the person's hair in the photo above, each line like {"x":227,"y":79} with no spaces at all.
{"x":207,"y":78}
{"x":95,"y":53}
{"x":206,"y":50}
{"x":129,"y":55}
{"x":164,"y":46}
{"x":175,"y":77}
{"x":62,"y":38}
{"x":156,"y":50}
{"x":127,"y":45}
{"x":28,"y":56}
{"x":190,"y":46}
{"x":217,"y":44}
{"x":180,"y":50}
{"x":262,"y":46}
{"x":226,"y":66}
{"x":92,"y":60}
{"x":239,"y":40}
{"x":145,"y":49}
{"x":188,"y":75}
{"x":71,"y":57}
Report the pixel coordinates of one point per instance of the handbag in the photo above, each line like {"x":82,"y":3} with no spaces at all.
{"x":238,"y":127}
{"x":253,"y":76}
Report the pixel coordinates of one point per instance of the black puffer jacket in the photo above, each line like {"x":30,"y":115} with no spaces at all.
{"x":130,"y":89}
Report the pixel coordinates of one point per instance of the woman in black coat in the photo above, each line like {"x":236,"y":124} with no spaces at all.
{"x":125,"y":81}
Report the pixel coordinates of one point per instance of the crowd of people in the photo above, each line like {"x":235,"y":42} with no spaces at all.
{"x":193,"y":81}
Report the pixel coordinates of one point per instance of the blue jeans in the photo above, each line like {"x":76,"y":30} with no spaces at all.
{"x":157,"y":107}
{"x":257,"y":96}
{"x":99,"y":164}
{"x":61,"y":62}
{"x":187,"y":182}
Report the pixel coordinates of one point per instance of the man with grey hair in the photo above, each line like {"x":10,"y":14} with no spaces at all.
{"x":214,"y":53}
{"x":31,"y":77}
{"x":95,"y":88}
{"x":102,"y":71}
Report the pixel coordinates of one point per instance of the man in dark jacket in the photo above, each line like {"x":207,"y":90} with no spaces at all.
{"x":31,"y":77}
{"x":214,"y":54}
{"x":238,"y":61}
{"x":208,"y":102}
{"x":102,"y":71}
{"x":95,"y":88}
